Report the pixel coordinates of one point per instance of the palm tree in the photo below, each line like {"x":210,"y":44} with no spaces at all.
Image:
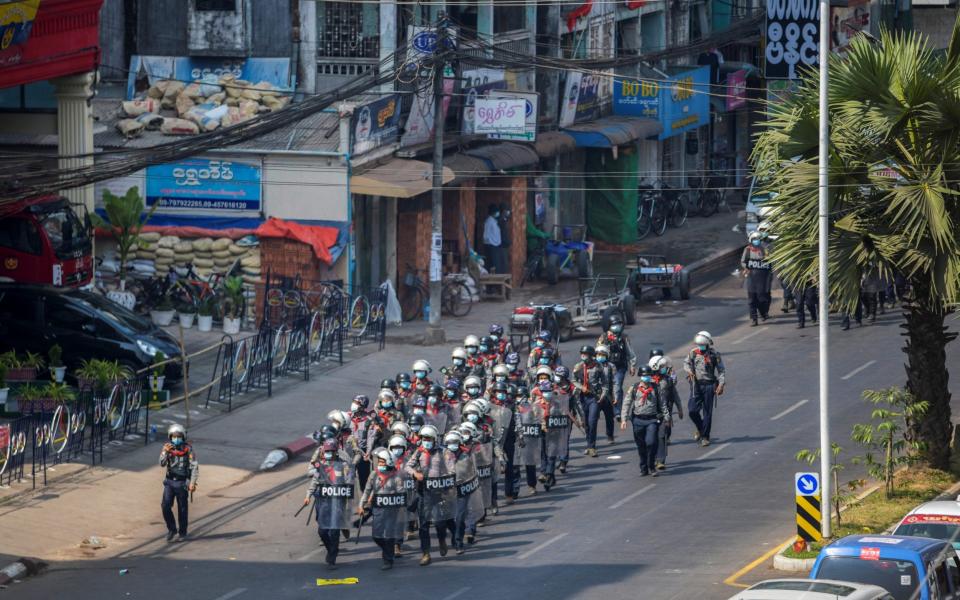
{"x":894,"y":176}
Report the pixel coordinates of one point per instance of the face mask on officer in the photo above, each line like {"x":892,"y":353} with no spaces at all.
{"x":382,"y":468}
{"x":432,"y":400}
{"x":420,"y":374}
{"x":494,"y":337}
{"x":415,"y":428}
{"x":451,"y":393}
{"x":387,"y":404}
{"x":328,"y":455}
{"x":540,"y":343}
{"x":458,"y":362}
{"x":176,"y":441}
{"x":616,"y":328}
{"x":500,"y":378}
{"x":355,"y":407}
{"x":453,"y":447}
{"x":755,"y":242}
{"x":702,"y":347}
{"x":484,"y":348}
{"x":473,"y":391}
{"x":471,"y":349}
{"x":501,"y":396}
{"x":418,"y":411}
{"x":473,"y":417}
{"x":428,"y":444}
{"x":396,"y":451}
{"x":601,"y":359}
{"x":405,"y":385}
{"x":663,"y":370}
{"x":646,"y":379}
{"x":512,"y":368}
{"x":547,"y":395}
{"x":544,"y":360}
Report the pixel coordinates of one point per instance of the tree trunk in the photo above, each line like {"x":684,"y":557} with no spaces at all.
{"x":927,"y":377}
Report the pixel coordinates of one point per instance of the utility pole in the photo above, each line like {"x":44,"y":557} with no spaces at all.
{"x":826,"y":454}
{"x":435,"y":333}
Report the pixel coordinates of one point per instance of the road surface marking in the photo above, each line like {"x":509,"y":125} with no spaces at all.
{"x":749,"y":335}
{"x":789,"y":410}
{"x":530,"y":553}
{"x":857,"y":370}
{"x":632,"y":496}
{"x":714,"y":451}
{"x":458,"y":593}
{"x":232,"y":594}
{"x":732,"y":580}
{"x":310,"y":554}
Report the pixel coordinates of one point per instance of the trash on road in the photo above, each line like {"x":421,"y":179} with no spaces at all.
{"x":124,"y":571}
{"x":273,"y":459}
{"x":344,"y":581}
{"x":93,"y":542}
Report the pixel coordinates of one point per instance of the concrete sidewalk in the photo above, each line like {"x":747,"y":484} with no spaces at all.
{"x":118,"y":502}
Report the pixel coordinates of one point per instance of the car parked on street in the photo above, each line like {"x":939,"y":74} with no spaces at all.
{"x":84,"y":324}
{"x":910,"y":568}
{"x":939,"y":520}
{"x":812,"y":589}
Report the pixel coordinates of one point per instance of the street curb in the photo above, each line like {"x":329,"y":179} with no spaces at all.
{"x":717,"y":256}
{"x":20,"y":570}
{"x":298,"y":446}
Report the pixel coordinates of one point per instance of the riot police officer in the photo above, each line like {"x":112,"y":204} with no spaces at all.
{"x":645,"y":410}
{"x":759,"y":276}
{"x":182,"y":471}
{"x":622,"y":357}
{"x":704,"y":369}
{"x":331,"y":488}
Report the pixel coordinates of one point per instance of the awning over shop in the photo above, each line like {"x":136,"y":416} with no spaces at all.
{"x":500,"y":157}
{"x":466,"y":167}
{"x":399,"y":178}
{"x":613,"y":131}
{"x":552,"y":143}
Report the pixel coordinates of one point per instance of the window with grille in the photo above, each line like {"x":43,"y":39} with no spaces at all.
{"x":216,"y":5}
{"x":348,"y":30}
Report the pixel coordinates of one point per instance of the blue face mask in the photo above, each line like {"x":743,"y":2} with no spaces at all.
{"x":663,"y":371}
{"x":512,"y":368}
{"x":383,"y":468}
{"x":418,"y":411}
{"x":646,"y":379}
{"x":406,"y":385}
{"x":420,"y":374}
{"x":755,"y":242}
{"x":540,"y":343}
{"x":396,"y":451}
{"x":473,"y":391}
{"x":386,"y":404}
{"x":484,"y":349}
{"x":432,"y":400}
{"x":177,"y":441}
{"x":453,"y":447}
{"x":458,"y":361}
{"x":702,"y":347}
{"x":501,"y":396}
{"x":544,"y":361}
{"x":427,"y":445}
{"x":328,"y":455}
{"x":471,"y":350}
{"x":473,"y":417}
{"x":547,"y":395}
{"x":495,"y":337}
{"x":601,"y":359}
{"x":451,"y":393}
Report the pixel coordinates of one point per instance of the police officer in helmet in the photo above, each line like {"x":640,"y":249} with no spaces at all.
{"x":182,"y":471}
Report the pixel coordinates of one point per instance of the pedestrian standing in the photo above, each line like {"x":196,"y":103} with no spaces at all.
{"x":180,"y":480}
{"x":705,"y":371}
{"x":870,"y":289}
{"x":758,"y":273}
{"x":506,"y":238}
{"x":807,"y":299}
{"x":492,"y":240}
{"x":645,"y":410}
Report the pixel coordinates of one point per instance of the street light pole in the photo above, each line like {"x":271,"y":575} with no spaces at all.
{"x":826,"y":455}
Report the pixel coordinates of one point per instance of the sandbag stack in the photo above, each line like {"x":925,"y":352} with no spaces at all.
{"x":157,"y":255}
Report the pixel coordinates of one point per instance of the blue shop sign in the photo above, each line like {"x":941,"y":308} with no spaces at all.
{"x":375,"y":124}
{"x":205,"y":184}
{"x":685,"y":102}
{"x":636,"y":98}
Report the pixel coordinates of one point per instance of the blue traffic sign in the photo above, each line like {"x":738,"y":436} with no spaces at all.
{"x":807,"y":484}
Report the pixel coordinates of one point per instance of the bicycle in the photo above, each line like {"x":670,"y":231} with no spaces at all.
{"x":536,"y":259}
{"x":651,"y":215}
{"x":708,"y":195}
{"x":455,"y":296}
{"x":676,"y":206}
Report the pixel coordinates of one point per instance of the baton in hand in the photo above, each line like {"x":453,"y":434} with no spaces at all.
{"x":313,"y":508}
{"x":300,"y":510}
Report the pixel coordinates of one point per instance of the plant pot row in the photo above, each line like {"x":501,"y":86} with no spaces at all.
{"x":164,"y":318}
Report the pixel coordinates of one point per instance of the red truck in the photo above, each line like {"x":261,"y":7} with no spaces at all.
{"x":42,"y":241}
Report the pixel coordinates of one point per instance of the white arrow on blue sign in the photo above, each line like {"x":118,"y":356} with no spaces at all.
{"x":807,"y":484}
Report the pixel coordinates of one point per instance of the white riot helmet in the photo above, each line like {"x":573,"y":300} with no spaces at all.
{"x":400,"y":428}
{"x":468,"y":430}
{"x":383,"y":454}
{"x":459,"y":353}
{"x":422,"y":365}
{"x":484,"y":405}
{"x":659,"y":362}
{"x":339,"y":417}
{"x":602,"y":349}
{"x":471,"y":340}
{"x":386,"y":396}
{"x":176,"y":428}
{"x":544,"y":370}
{"x":501,"y":369}
{"x":452,"y":437}
{"x":755,"y":235}
{"x":472,"y":382}
{"x":397,"y":441}
{"x":703,"y":338}
{"x":429,"y":431}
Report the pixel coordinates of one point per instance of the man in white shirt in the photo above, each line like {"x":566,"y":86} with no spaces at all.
{"x":492,"y":242}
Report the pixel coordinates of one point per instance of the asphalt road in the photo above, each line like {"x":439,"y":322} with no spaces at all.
{"x":603,"y":532}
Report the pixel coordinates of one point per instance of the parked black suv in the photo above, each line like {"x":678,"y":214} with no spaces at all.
{"x":85,"y":324}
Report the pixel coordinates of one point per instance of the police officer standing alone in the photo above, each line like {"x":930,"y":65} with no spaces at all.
{"x":759,"y":275}
{"x":704,"y":369}
{"x":180,"y":481}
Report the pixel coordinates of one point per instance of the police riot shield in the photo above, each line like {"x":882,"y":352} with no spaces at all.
{"x":558,"y":426}
{"x":469,"y":491}
{"x":389,"y":504}
{"x":335,"y":492}
{"x":438,"y":496}
{"x":483,"y":455}
{"x":439,"y":419}
{"x":527,"y":448}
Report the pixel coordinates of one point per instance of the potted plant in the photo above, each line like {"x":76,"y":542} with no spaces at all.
{"x":87,"y":373}
{"x":21,"y":368}
{"x":99,"y":375}
{"x":205,"y":314}
{"x":232,"y":305}
{"x":125,"y":219}
{"x":163,"y":313}
{"x":187,"y":313}
{"x":4,"y":390}
{"x":57,"y":368}
{"x":157,"y":377}
{"x":58,"y":393}
{"x":28,"y":397}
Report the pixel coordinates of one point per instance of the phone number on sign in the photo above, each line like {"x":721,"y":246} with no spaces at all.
{"x":202,"y":203}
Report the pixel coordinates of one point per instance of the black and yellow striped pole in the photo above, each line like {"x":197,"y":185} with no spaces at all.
{"x":809,"y":517}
